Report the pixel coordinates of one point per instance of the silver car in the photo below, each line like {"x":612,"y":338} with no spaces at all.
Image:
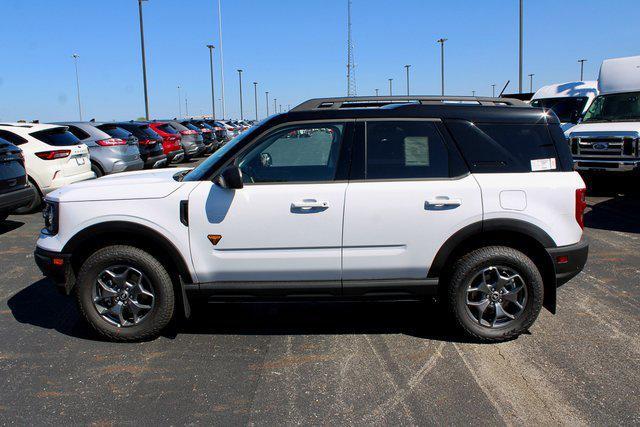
{"x":108,"y":154}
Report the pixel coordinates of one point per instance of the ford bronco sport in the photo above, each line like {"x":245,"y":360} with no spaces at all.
{"x":472,"y":200}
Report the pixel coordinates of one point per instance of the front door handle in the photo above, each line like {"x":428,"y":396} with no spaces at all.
{"x":308,"y":204}
{"x":442,"y":202}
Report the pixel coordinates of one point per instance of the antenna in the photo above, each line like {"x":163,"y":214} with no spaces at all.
{"x":351,"y":77}
{"x":504,"y":88}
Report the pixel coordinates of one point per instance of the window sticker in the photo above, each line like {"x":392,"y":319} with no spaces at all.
{"x":543,"y":164}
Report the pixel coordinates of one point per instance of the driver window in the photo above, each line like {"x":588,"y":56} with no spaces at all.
{"x":305,"y":153}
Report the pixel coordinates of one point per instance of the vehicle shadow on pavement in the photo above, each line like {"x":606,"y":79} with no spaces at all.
{"x":617,"y":214}
{"x":41,"y":305}
{"x":8,"y":225}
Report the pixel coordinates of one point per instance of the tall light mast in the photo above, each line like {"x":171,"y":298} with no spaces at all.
{"x":351,"y":77}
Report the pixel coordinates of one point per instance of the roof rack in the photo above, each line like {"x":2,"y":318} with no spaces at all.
{"x":383,"y":101}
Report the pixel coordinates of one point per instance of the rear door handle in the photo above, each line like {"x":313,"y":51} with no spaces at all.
{"x":309,"y":204}
{"x":442,"y":202}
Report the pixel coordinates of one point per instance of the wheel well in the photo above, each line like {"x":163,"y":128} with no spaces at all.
{"x":85,"y":243}
{"x":522,"y":242}
{"x":35,"y":184}
{"x":97,"y":165}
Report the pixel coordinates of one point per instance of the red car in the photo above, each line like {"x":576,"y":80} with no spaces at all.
{"x":170,"y":141}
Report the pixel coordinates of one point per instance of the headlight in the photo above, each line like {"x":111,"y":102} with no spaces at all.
{"x":50,"y":215}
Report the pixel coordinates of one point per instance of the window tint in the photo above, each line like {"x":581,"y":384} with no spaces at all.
{"x":294,"y":154}
{"x":78,"y":133}
{"x":405,"y":149}
{"x":147,"y":132}
{"x":12,"y":137}
{"x":115,"y":131}
{"x":567,"y":109}
{"x":167,"y":129}
{"x":188,"y":125}
{"x":497,"y":147}
{"x":58,"y":137}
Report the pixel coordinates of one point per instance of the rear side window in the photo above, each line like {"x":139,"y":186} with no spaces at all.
{"x":58,"y":137}
{"x":502,"y":148}
{"x":190,"y":126}
{"x":115,"y":131}
{"x":148,"y":132}
{"x":78,"y":133}
{"x":12,"y":137}
{"x":167,"y":129}
{"x":404,"y":150}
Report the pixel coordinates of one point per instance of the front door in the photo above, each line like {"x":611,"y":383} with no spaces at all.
{"x":285,"y":225}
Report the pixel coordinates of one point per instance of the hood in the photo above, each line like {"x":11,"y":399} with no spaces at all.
{"x":146,"y":184}
{"x":605,"y":129}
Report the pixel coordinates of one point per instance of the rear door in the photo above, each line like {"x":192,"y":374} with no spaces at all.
{"x":409,"y":192}
{"x":68,"y":153}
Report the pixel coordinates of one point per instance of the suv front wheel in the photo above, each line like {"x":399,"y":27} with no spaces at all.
{"x":125,"y":293}
{"x":495,"y":293}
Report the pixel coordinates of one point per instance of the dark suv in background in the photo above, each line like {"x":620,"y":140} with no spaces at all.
{"x":15,"y":191}
{"x":149,"y":142}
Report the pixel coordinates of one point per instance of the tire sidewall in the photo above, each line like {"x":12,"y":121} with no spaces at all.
{"x":157,"y":276}
{"x":533,"y":283}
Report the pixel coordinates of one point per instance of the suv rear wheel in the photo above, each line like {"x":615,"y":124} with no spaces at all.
{"x":495,"y":293}
{"x":125,"y":293}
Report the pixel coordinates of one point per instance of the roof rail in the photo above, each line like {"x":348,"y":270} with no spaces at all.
{"x":382,"y":101}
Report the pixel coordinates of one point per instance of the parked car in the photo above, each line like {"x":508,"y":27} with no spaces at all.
{"x":220,"y":130}
{"x":149,"y":143}
{"x":171,"y":141}
{"x":53,"y":156}
{"x":15,"y":191}
{"x":232,"y":130}
{"x":190,"y":139}
{"x":108,"y":154}
{"x":607,"y":140}
{"x":568,"y":100}
{"x":209,"y":133}
{"x":208,"y":138}
{"x":476,"y":203}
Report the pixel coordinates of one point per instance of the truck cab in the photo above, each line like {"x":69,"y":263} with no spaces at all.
{"x":607,"y":138}
{"x":568,"y":100}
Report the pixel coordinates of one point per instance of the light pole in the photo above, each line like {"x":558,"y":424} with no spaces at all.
{"x":179,"y":104}
{"x":144,"y":63}
{"x":493,"y":91}
{"x":531,"y":82}
{"x":255,"y":97}
{"x":582,"y":61}
{"x":376,"y":92}
{"x":213,"y":98}
{"x":275,"y":106}
{"x":390,"y":87}
{"x":267,"y":103}
{"x":407,"y":68}
{"x":224,"y":113}
{"x":186,"y":105}
{"x":75,"y":57}
{"x":240,"y":80}
{"x":473,"y":93}
{"x":520,"y":52}
{"x":441,"y":41}
{"x":280,"y":108}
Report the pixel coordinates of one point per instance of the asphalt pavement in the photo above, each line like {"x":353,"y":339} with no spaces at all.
{"x":330,"y":363}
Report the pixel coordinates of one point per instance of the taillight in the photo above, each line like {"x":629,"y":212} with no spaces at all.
{"x":581,"y":205}
{"x":189,"y":132}
{"x":217,"y":128}
{"x":52,"y":155}
{"x":146,"y":141}
{"x":206,"y":130}
{"x":111,"y":142}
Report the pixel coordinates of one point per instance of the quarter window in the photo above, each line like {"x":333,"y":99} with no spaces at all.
{"x":404,"y":150}
{"x":294,"y":154}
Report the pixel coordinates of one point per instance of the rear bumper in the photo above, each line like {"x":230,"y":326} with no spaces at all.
{"x":123,"y":166}
{"x":15,"y":199}
{"x":569,"y":260}
{"x":59,"y":271}
{"x":175,"y":156}
{"x":155,"y":161}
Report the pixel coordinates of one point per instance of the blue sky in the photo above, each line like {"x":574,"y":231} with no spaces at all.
{"x":295,"y":49}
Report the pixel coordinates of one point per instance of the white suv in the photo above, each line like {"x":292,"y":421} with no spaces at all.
{"x":472,"y":200}
{"x":53,"y":157}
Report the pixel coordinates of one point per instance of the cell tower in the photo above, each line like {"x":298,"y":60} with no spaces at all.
{"x":351,"y":76}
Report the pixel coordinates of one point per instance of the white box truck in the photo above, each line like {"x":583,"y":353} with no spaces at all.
{"x":607,"y":138}
{"x":568,"y":100}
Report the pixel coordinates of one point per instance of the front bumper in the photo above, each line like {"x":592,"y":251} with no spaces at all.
{"x":569,"y":260}
{"x":606,"y":165}
{"x":57,"y":267}
{"x":15,"y":199}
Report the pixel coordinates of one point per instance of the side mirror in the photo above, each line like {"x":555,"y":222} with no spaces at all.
{"x":230,"y":178}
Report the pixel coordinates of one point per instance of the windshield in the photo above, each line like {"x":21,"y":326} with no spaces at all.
{"x":203,"y":168}
{"x":619,"y":106}
{"x":567,"y":109}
